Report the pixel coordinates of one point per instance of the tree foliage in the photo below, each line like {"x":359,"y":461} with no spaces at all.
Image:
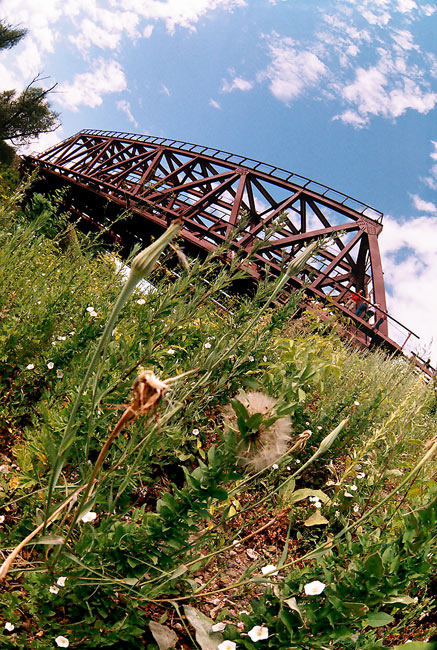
{"x":27,"y":114}
{"x":10,"y":36}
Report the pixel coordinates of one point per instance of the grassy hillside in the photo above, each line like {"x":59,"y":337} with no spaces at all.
{"x":199,"y":468}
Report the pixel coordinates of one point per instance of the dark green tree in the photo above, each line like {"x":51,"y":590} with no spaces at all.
{"x":10,"y":36}
{"x":24,"y":115}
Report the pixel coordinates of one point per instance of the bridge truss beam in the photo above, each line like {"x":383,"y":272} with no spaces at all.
{"x":216,"y":193}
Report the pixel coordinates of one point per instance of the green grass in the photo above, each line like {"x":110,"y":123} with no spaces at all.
{"x":171,"y":497}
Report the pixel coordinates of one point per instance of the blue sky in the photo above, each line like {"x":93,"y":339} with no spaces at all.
{"x":344,"y":92}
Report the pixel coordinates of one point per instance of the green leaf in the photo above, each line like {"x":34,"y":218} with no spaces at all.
{"x":292,"y":603}
{"x":47,"y":539}
{"x":304,"y":493}
{"x":316,"y":519}
{"x":163,"y":635}
{"x":400,"y":598}
{"x":373,"y":565}
{"x":378,"y":619}
{"x":417,"y":645}
{"x":301,"y":395}
{"x":205,"y":637}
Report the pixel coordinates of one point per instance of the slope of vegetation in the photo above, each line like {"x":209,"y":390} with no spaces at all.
{"x":131,"y":473}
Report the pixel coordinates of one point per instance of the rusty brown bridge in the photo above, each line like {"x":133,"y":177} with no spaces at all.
{"x":215,"y":193}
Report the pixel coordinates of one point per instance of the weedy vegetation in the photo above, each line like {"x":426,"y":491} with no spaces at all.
{"x":177,"y":471}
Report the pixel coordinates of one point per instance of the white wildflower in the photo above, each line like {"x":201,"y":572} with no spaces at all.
{"x":258,"y":633}
{"x":171,"y":351}
{"x":348,"y":494}
{"x":337,"y":513}
{"x":288,"y":468}
{"x":89,"y":516}
{"x":297,"y":461}
{"x":9,"y":626}
{"x":314,"y":588}
{"x":251,"y":358}
{"x":53,"y":589}
{"x":62,"y":642}
{"x":275,"y":466}
{"x":2,"y":518}
{"x":361,"y":475}
{"x":141,"y":301}
{"x":59,"y":374}
{"x":353,"y":488}
{"x":356,"y":508}
{"x":30,"y":366}
{"x":356,"y":403}
{"x":317,"y":504}
{"x":207,"y":345}
{"x":227,"y":645}
{"x":265,"y":359}
{"x":61,"y":581}
{"x":93,"y":314}
{"x":269,"y":570}
{"x":195,"y":432}
{"x":62,"y":338}
{"x":90,"y":309}
{"x":218,"y":627}
{"x":236,"y":543}
{"x":50,"y":365}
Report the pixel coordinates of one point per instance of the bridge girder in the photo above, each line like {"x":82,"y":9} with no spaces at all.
{"x":216,"y":192}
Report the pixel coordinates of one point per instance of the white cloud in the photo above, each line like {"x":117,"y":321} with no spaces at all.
{"x":387,"y":89}
{"x":404,"y":39}
{"x":292,"y":70}
{"x":423,"y":206}
{"x":431,"y":181}
{"x":410,"y":268}
{"x":165,"y":90}
{"x":178,"y":13}
{"x":381,"y":19}
{"x":125,"y":108}
{"x":406,"y":5}
{"x":214,"y":104}
{"x":147,"y":31}
{"x":88,"y":88}
{"x":237,"y":84}
{"x":43,"y":142}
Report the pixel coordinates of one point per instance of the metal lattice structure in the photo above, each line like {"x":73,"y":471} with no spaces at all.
{"x":215,"y":192}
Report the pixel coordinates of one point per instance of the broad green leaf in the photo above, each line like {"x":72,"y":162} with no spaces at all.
{"x":400,"y":598}
{"x":163,"y":635}
{"x":47,"y":539}
{"x":373,"y":565}
{"x":316,"y":519}
{"x":378,"y":619}
{"x":205,"y":637}
{"x":304,"y":493}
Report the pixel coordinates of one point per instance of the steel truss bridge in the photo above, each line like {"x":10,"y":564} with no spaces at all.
{"x":217,"y":193}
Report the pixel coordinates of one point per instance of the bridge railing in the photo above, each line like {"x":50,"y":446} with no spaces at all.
{"x":256,"y":165}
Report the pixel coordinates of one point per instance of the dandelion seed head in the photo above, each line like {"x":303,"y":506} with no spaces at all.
{"x":266,"y":445}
